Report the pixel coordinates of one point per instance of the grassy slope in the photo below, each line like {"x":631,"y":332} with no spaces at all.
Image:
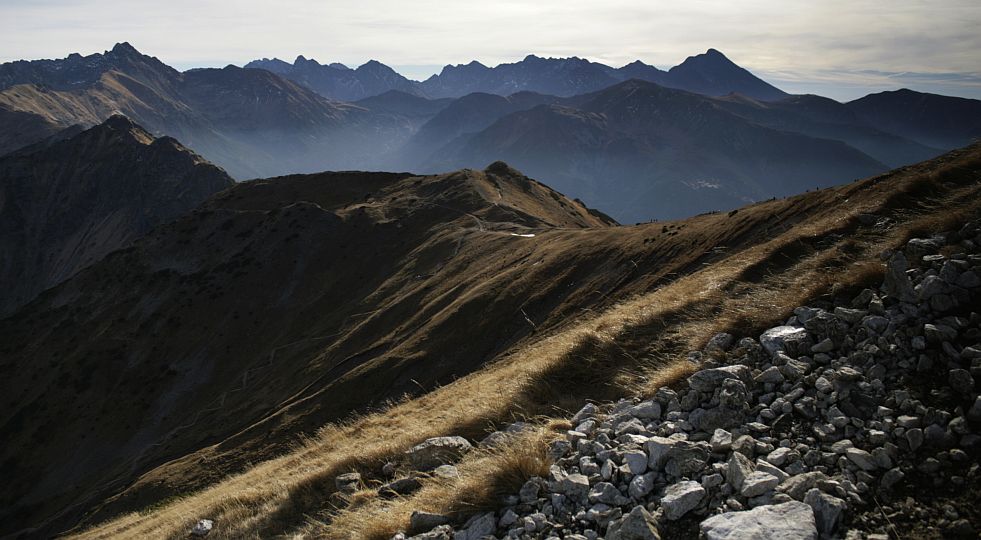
{"x":799,"y":248}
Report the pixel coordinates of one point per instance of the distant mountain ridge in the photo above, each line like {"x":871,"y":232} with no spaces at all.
{"x":251,"y":122}
{"x":260,"y":123}
{"x":650,"y":152}
{"x":710,"y":73}
{"x":337,"y":81}
{"x":931,"y":119}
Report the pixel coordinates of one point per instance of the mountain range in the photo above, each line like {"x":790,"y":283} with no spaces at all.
{"x":710,"y":74}
{"x":616,"y":138}
{"x":251,"y":122}
{"x":180,"y":351}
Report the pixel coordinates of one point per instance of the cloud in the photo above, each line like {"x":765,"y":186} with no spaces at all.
{"x":802,"y":36}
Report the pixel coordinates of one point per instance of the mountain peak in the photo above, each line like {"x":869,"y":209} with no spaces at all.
{"x":120,"y":125}
{"x":125,"y":48}
{"x":376,"y":67}
{"x":119,"y":121}
{"x":301,"y":60}
{"x":501,"y":168}
{"x":712,"y":73}
{"x":711,"y":57}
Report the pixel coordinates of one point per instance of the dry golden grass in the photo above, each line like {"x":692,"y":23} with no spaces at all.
{"x":486,"y":475}
{"x":637,"y":346}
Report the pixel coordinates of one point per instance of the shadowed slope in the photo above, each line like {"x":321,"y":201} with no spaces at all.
{"x":741,"y":280}
{"x":66,"y":204}
{"x":251,"y":308}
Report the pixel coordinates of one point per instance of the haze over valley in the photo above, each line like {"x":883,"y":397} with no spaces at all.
{"x":635,"y":142}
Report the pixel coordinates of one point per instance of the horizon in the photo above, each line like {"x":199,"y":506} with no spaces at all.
{"x":846,"y":87}
{"x":838,"y":49}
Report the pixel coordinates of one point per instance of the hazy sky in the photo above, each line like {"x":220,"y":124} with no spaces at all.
{"x":839,"y":48}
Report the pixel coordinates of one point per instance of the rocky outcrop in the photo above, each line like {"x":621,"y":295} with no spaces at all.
{"x":839,"y":406}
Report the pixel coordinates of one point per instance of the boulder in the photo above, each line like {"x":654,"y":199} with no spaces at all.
{"x":639,"y":524}
{"x":437,"y":451}
{"x":787,"y":521}
{"x":828,"y":510}
{"x":202,"y":528}
{"x":897,"y":282}
{"x":790,"y":339}
{"x":347,"y":482}
{"x":757,"y":483}
{"x":575,"y":487}
{"x":861,"y":458}
{"x":477,"y":527}
{"x":739,"y":467}
{"x":605,"y":493}
{"x":636,"y":461}
{"x":797,"y":486}
{"x":674,"y":456}
{"x":642,"y":485}
{"x":680,"y":498}
{"x":424,"y":521}
{"x":707,"y":380}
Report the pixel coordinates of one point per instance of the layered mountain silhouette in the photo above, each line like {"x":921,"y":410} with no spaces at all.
{"x":650,"y":152}
{"x":710,"y":73}
{"x":249,"y":121}
{"x":712,"y":138}
{"x":930,"y":119}
{"x":821,"y":117}
{"x":68,"y":202}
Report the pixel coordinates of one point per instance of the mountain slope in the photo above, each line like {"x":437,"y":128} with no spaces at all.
{"x":303,"y":290}
{"x":640,"y":151}
{"x":825,"y":118}
{"x":67,"y":204}
{"x":22,"y":128}
{"x":938,"y":121}
{"x":410,"y":105}
{"x":463,"y":117}
{"x":678,"y":284}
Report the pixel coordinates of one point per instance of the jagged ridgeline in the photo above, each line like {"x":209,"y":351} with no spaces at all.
{"x":80,"y":195}
{"x":482,"y":296}
{"x":635,"y":142}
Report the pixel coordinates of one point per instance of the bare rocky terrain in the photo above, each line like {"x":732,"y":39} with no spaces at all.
{"x":842,"y":422}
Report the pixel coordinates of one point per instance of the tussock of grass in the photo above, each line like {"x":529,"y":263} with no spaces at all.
{"x":486,"y":475}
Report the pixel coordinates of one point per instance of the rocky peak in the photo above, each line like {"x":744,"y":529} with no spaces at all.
{"x":125,"y":48}
{"x":112,"y":183}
